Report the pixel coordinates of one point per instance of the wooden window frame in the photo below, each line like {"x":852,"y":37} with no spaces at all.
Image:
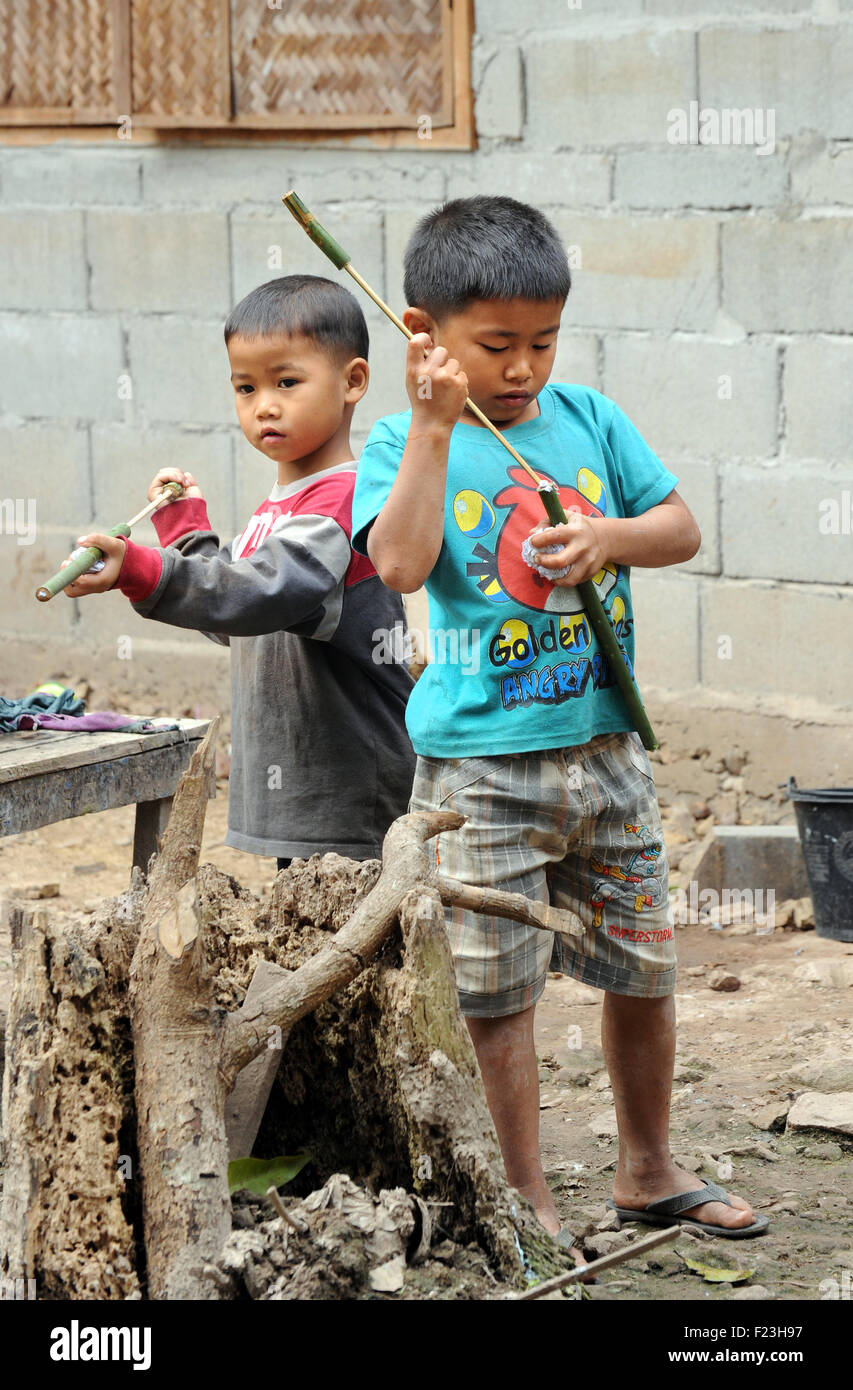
{"x":45,"y":126}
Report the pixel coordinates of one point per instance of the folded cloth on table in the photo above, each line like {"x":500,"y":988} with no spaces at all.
{"x":65,"y":710}
{"x":102,"y":720}
{"x":64,"y":701}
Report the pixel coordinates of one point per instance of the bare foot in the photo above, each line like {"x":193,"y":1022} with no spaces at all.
{"x":540,"y":1198}
{"x":640,"y":1189}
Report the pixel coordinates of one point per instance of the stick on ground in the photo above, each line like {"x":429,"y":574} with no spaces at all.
{"x":618,"y":1257}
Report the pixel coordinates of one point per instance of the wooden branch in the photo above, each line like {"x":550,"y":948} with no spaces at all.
{"x":177,"y":1031}
{"x":496,"y":903}
{"x":177,"y":861}
{"x":405,"y":864}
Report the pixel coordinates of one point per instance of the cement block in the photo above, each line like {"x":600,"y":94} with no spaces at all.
{"x":666,"y":613}
{"x":269,"y":245}
{"x":163,"y":260}
{"x":50,"y":465}
{"x":386,"y":391}
{"x":70,"y":176}
{"x":606,"y":90}
{"x":818,"y":398}
{"x":560,"y":179}
{"x":507,"y":16}
{"x":698,"y":485}
{"x":62,"y":366}
{"x":689,"y":8}
{"x":704,"y":177}
{"x":640,"y":272}
{"x":762,"y":639}
{"x":42,"y":260}
{"x":399,"y":225}
{"x":125,"y":460}
{"x":179,"y":371}
{"x":773,"y":524}
{"x":753,"y":859}
{"x":789,"y":276}
{"x":23,"y":568}
{"x":217,"y":177}
{"x":576,"y":359}
{"x":802,"y":74}
{"x":380,"y":176}
{"x":499,"y":102}
{"x":824,"y":178}
{"x":693,"y":397}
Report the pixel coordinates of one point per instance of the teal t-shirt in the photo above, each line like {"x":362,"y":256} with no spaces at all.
{"x":515,"y":664}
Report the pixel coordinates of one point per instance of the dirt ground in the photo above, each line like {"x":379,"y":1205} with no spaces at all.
{"x":739,"y":1053}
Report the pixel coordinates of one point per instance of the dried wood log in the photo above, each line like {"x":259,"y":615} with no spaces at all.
{"x":67,"y":1211}
{"x":378,"y":1078}
{"x":177,"y":1036}
{"x":452,"y":1141}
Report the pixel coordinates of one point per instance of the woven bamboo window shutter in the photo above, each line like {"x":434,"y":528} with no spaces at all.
{"x":308,"y":65}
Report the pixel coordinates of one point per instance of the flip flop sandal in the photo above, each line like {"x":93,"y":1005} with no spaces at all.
{"x":665,"y":1211}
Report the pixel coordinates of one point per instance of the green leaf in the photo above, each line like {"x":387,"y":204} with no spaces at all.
{"x":257,"y":1174}
{"x":714,"y":1275}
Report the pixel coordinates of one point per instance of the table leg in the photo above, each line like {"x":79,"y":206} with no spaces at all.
{"x":152,"y":817}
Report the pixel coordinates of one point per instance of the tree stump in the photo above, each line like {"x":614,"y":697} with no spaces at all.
{"x":126,"y":1035}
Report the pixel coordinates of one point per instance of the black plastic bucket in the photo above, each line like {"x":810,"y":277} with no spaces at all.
{"x":825,"y":823}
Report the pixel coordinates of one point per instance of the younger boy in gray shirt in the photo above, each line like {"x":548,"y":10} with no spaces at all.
{"x":320,"y":755}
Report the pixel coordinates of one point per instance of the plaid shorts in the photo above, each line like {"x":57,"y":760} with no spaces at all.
{"x":577,"y":827}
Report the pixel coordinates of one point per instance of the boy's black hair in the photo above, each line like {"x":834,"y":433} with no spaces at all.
{"x":484,"y":247}
{"x":318,"y":308}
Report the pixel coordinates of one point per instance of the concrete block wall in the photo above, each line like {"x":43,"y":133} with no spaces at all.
{"x":713,"y":299}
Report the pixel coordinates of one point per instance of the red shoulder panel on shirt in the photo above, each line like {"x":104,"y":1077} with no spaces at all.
{"x":332,"y":497}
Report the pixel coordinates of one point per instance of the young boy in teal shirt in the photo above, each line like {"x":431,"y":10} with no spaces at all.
{"x":529,"y":737}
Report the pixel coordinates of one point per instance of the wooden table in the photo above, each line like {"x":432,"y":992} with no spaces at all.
{"x":47,"y":775}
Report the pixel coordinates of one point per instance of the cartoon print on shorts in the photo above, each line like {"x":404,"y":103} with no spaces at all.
{"x":602,"y":893}
{"x":642,"y":866}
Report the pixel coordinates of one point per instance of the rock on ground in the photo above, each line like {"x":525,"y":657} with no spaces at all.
{"x":824,"y":1074}
{"x":814,"y":1110}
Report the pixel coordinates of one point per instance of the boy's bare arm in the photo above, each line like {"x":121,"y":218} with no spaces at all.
{"x":404,"y":541}
{"x":664,"y":535}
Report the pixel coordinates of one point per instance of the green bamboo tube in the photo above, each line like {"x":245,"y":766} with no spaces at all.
{"x":603,"y":629}
{"x":83,"y":558}
{"x":599,"y":621}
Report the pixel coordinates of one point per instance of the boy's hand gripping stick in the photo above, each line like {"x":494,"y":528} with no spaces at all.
{"x":83,"y":558}
{"x":599,"y":621}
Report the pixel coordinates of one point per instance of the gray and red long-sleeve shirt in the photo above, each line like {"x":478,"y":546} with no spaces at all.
{"x":320,"y":757}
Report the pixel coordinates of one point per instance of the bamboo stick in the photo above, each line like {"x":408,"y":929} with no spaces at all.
{"x":84,"y":557}
{"x":616,"y":1257}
